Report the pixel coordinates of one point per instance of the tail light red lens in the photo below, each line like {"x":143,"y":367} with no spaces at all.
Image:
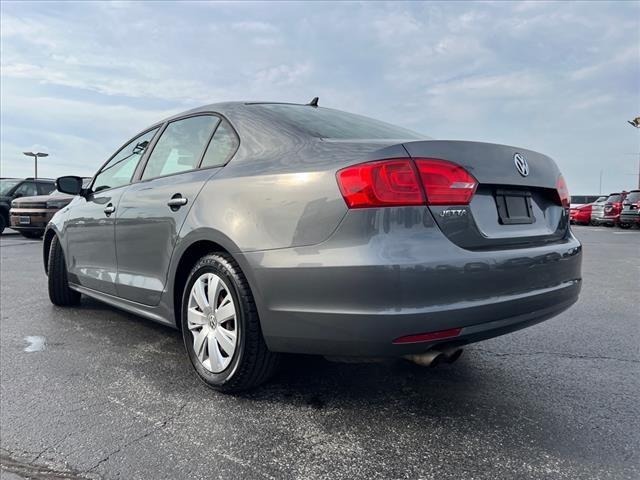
{"x":446,"y":183}
{"x":563,"y":192}
{"x":397,"y":182}
{"x":379,"y":184}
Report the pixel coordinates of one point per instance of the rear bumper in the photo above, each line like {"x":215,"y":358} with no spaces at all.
{"x":348,"y":333}
{"x":610,"y":219}
{"x":389,"y":273}
{"x":630,"y":218}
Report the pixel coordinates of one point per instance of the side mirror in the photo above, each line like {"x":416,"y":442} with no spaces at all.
{"x":70,"y":184}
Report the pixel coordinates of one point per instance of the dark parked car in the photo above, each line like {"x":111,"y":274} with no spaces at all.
{"x":12,"y":188}
{"x":630,"y":214}
{"x":612,"y":209}
{"x":261,"y":228}
{"x":30,"y":215}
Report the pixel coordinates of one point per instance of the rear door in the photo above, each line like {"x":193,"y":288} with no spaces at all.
{"x":153,"y":209}
{"x":89,"y":230}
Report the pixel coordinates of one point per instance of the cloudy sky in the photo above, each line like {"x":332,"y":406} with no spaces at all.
{"x":78,"y":79}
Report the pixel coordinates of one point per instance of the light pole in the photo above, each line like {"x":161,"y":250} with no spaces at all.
{"x":35,"y":157}
{"x":636,"y":123}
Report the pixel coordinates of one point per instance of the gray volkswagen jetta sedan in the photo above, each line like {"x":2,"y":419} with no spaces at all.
{"x":267,"y":228}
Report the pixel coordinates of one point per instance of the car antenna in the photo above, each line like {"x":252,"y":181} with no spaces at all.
{"x":314,"y":102}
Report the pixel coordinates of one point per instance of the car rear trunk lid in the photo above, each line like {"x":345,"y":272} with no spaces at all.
{"x":512,"y":206}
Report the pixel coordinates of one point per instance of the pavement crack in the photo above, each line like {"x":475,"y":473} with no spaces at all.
{"x":157,"y":427}
{"x":555,"y":354}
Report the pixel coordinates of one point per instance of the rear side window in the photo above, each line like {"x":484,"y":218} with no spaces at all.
{"x":614,"y":198}
{"x":222,"y":147}
{"x":633,"y":197}
{"x":180,"y":147}
{"x":329,"y":123}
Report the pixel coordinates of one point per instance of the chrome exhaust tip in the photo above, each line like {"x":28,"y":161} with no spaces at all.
{"x":429,"y":359}
{"x":433,"y":358}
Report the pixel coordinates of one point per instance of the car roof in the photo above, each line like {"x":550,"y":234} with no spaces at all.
{"x":40,"y":179}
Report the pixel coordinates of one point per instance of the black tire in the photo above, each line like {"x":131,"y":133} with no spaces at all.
{"x":3,"y":223}
{"x":31,"y":234}
{"x":252,"y":363}
{"x":625,"y":225}
{"x":59,"y":292}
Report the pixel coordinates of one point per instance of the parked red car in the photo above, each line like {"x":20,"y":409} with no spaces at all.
{"x":612,"y":208}
{"x":581,"y":215}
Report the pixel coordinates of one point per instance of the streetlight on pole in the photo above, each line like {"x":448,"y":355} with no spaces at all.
{"x":636,"y":123}
{"x":35,"y":157}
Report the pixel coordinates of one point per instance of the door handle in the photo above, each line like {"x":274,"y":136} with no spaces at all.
{"x":109,"y":209}
{"x":176,"y":202}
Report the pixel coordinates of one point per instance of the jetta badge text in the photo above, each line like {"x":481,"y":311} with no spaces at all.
{"x":521,"y":164}
{"x":453,"y":212}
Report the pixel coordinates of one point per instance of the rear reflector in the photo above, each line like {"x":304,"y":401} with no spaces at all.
{"x":400,"y":181}
{"x":445,"y":183}
{"x":429,"y":337}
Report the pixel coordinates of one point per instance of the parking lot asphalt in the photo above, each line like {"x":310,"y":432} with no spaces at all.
{"x":92,"y":392}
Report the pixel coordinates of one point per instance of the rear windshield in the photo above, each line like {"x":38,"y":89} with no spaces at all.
{"x":329,"y":123}
{"x":616,"y":197}
{"x":633,"y":197}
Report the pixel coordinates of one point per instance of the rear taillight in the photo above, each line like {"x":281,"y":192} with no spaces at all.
{"x":398,"y":182}
{"x":379,"y":184}
{"x":445,"y":183}
{"x":563,"y":192}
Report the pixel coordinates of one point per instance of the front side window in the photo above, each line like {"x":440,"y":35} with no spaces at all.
{"x":180,"y":146}
{"x":27,"y":189}
{"x":222,"y":147}
{"x":46,"y":188}
{"x":120,"y":168}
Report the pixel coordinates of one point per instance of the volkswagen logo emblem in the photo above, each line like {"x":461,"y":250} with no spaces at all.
{"x":521,"y":164}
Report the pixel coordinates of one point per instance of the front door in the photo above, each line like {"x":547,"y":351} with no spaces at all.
{"x":90,"y":227}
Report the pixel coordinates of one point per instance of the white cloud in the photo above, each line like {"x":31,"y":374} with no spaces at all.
{"x":283,"y":74}
{"x":254,"y":27}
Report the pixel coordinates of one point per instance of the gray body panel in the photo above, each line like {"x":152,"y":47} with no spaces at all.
{"x":146,"y":231}
{"x":326,"y":279}
{"x":91,"y":261}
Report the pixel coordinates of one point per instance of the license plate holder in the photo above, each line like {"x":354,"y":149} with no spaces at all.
{"x":514,"y":207}
{"x":24,"y":220}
